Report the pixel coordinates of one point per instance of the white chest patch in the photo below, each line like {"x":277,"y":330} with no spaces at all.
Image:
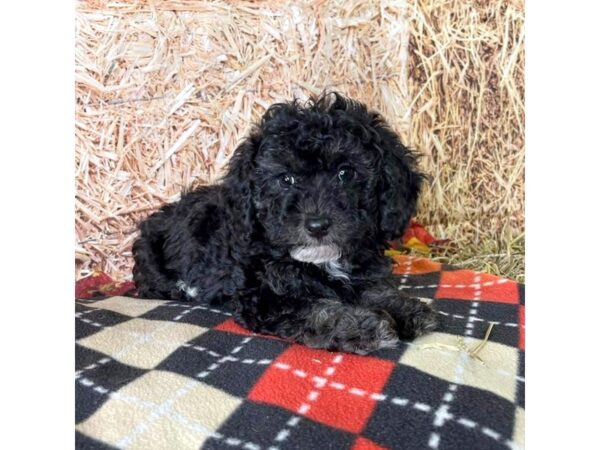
{"x":325,"y":256}
{"x":316,"y":254}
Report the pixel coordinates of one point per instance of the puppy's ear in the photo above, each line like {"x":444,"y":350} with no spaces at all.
{"x":273,"y":120}
{"x":241,"y":165}
{"x":239,"y":176}
{"x":399,"y":180}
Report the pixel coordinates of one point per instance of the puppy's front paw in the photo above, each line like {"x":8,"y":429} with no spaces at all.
{"x":352,"y":330}
{"x":374,"y":333}
{"x":416,"y":320}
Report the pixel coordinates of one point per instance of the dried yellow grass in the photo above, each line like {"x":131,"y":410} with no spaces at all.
{"x":165,"y":90}
{"x":467,"y":116}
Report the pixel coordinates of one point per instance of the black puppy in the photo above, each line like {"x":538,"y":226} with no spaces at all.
{"x":293,"y":236}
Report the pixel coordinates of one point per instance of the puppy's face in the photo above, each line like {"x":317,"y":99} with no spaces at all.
{"x":325,"y":178}
{"x":315,"y":190}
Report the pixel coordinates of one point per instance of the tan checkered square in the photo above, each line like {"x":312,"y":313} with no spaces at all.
{"x":439,"y":354}
{"x":161,"y":410}
{"x":140,"y":342}
{"x":128,"y":306}
{"x":519,"y":428}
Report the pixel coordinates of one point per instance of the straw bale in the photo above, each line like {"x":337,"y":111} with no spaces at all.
{"x":165,"y":91}
{"x":466,"y":65}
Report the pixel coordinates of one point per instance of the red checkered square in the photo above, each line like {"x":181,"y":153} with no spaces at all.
{"x":231,"y":327}
{"x":364,"y":444}
{"x":460,"y":285}
{"x":521,"y":327}
{"x":343,"y":395}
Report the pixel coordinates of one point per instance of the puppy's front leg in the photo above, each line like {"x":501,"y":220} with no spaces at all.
{"x":336,"y":326}
{"x":319,"y":323}
{"x":413,"y":317}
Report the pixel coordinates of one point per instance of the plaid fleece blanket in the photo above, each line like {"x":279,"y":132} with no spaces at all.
{"x":160,"y":374}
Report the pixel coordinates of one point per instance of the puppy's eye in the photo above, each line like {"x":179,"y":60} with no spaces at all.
{"x":286,"y":180}
{"x":346,"y":174}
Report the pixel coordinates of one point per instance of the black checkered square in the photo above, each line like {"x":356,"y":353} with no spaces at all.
{"x":194,"y":313}
{"x":506,"y":317}
{"x":487,"y":410}
{"x":97,"y":375}
{"x":411,"y":398}
{"x":226,"y":361}
{"x":454,"y":435}
{"x":521,"y":288}
{"x":450,"y":268}
{"x":479,"y":420}
{"x":422,"y":285}
{"x":391,"y":354}
{"x":90,"y":320}
{"x":455,"y":315}
{"x":521,"y":381}
{"x":250,"y":420}
{"x":452,"y":315}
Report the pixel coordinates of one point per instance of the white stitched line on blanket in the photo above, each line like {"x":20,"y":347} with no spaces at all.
{"x":92,"y":366}
{"x":225,"y":358}
{"x":81,"y":313}
{"x":113,"y":394}
{"x":479,"y":319}
{"x":204,"y":308}
{"x":434,"y":440}
{"x":458,"y":286}
{"x":474,"y":305}
{"x":260,"y":362}
{"x":192,"y":425}
{"x":407,"y":270}
{"x":319,"y":382}
{"x":91,"y":322}
{"x":163,"y":409}
{"x":180,"y":316}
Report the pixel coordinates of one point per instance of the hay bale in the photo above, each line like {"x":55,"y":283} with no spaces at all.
{"x":165,"y":91}
{"x":467,"y":116}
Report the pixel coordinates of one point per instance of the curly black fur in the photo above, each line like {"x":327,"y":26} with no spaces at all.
{"x":294,"y":234}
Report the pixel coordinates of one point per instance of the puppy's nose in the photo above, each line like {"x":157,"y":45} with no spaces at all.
{"x":317,"y":225}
